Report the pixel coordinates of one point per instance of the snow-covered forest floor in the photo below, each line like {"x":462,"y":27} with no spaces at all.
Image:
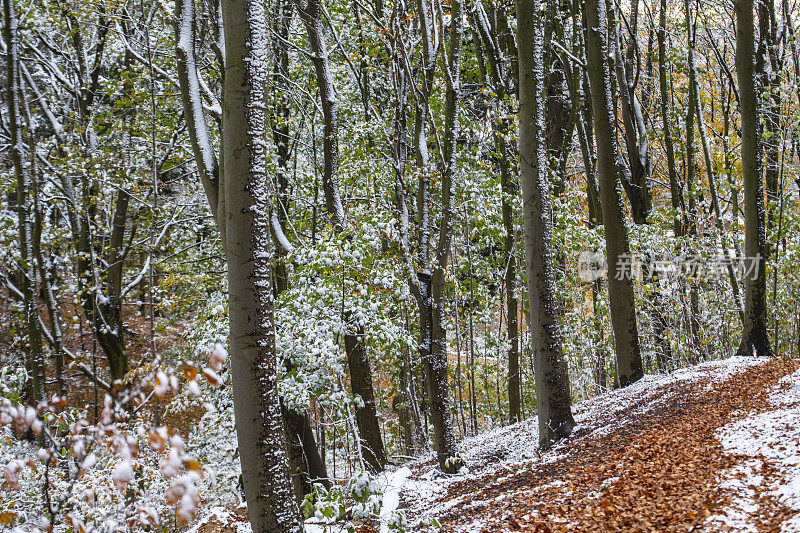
{"x":712,"y":447}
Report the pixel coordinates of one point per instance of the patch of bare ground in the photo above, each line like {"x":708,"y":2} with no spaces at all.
{"x":658,"y":472}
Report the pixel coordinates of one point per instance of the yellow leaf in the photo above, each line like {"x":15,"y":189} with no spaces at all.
{"x":7,"y":518}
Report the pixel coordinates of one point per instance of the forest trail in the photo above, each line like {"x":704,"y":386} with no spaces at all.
{"x":645,"y":458}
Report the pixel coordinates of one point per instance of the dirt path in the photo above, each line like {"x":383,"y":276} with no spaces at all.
{"x":658,"y":472}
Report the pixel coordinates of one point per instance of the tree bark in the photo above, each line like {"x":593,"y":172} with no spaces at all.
{"x":769,"y":66}
{"x":620,"y":286}
{"x":755,"y":340}
{"x":366,"y":414}
{"x":436,"y":363}
{"x":34,"y":354}
{"x":637,"y":185}
{"x":304,"y":457}
{"x":199,"y":136}
{"x":414,"y":438}
{"x":361,"y":382}
{"x":676,"y":193}
{"x":550,"y":365}
{"x":510,"y":189}
{"x":712,"y":187}
{"x":262,"y":447}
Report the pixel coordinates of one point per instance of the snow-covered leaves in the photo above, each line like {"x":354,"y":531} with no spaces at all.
{"x":89,"y":471}
{"x":339,"y":286}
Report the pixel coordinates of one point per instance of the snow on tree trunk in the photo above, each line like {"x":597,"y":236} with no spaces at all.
{"x":270,"y":501}
{"x":500,"y":83}
{"x":357,"y":360}
{"x":755,"y":340}
{"x":436,"y":363}
{"x":202,"y":147}
{"x":550,"y":365}
{"x":620,"y":286}
{"x":34,"y":362}
{"x":369,"y":431}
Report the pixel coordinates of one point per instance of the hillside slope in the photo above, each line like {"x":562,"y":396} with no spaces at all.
{"x":712,"y":447}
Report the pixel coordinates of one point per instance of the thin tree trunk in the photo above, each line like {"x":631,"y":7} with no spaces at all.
{"x":436,"y":363}
{"x":712,"y":186}
{"x":423,"y":281}
{"x":473,"y":398}
{"x":769,"y":67}
{"x":694,"y":311}
{"x":34,"y":354}
{"x":357,"y":360}
{"x":637,"y":186}
{"x":415,"y":440}
{"x":45,"y":266}
{"x":676,"y":194}
{"x":199,"y":135}
{"x":509,"y":190}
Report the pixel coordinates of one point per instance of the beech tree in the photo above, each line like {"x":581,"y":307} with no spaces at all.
{"x":331,"y":190}
{"x":372,"y":448}
{"x":248,"y":207}
{"x":306,"y":463}
{"x":620,"y":287}
{"x":428,"y":262}
{"x":755,"y":340}
{"x":34,"y":362}
{"x":435,"y":364}
{"x":552,"y":382}
{"x":502,"y":84}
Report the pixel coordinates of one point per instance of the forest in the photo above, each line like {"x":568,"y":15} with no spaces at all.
{"x":399,"y":265}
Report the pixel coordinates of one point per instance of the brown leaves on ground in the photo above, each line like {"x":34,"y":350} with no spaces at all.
{"x":659,"y":472}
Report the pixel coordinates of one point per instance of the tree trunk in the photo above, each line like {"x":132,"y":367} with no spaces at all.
{"x":712,"y":187}
{"x":34,"y":362}
{"x":199,"y":135}
{"x":304,"y":457}
{"x":620,"y":286}
{"x":415,"y":440}
{"x":694,"y":305}
{"x":637,"y":185}
{"x":357,"y":360}
{"x":436,"y":363}
{"x":407,"y":406}
{"x":262,"y":447}
{"x":550,"y":365}
{"x":305,"y":462}
{"x":755,"y":340}
{"x":369,"y":430}
{"x":509,"y":190}
{"x":769,"y":67}
{"x":676,"y":194}
{"x":311,"y":15}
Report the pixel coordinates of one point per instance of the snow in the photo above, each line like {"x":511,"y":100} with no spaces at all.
{"x":771,"y":437}
{"x":418,"y":490}
{"x":122,"y":475}
{"x":515,"y":447}
{"x":223,"y":516}
{"x":394,"y":483}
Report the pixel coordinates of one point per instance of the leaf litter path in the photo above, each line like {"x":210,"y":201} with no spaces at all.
{"x":645,"y":458}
